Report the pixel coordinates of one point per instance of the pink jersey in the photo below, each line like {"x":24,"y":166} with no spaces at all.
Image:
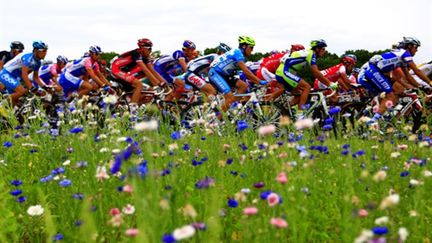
{"x":78,"y":67}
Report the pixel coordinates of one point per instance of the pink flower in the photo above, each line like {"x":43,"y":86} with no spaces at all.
{"x":304,"y":124}
{"x":266,"y":130}
{"x":114,"y":211}
{"x":128,"y":188}
{"x":250,"y":211}
{"x":273,"y":199}
{"x":375,"y":109}
{"x":132,"y":232}
{"x":278,"y":223}
{"x":282,"y":178}
{"x":129,"y":209}
{"x":362,"y":213}
{"x":389,"y":104}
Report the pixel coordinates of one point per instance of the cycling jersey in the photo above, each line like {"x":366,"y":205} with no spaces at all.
{"x":71,"y":78}
{"x":374,"y":74}
{"x":125,"y":66}
{"x":253,"y":67}
{"x":426,"y":69}
{"x":168,"y":66}
{"x":47,"y":72}
{"x":224,"y":68}
{"x":10,"y":75}
{"x":291,"y":64}
{"x":332,"y":73}
{"x":197,"y":68}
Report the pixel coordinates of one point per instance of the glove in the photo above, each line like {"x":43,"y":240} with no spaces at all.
{"x":263,"y":82}
{"x":333,"y":86}
{"x":106,"y":88}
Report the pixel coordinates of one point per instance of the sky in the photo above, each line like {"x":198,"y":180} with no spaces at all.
{"x":70,"y":27}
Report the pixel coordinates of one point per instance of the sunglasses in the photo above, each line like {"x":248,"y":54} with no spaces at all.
{"x":251,"y":47}
{"x":147,"y":47}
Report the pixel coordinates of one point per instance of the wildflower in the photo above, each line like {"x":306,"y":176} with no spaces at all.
{"x":403,"y":234}
{"x":380,"y":176}
{"x":128,"y":209}
{"x":266,"y":130}
{"x":362,"y":213}
{"x":168,"y":238}
{"x":116,"y":220}
{"x":389,"y":201}
{"x":282,"y":178}
{"x":128,"y":188}
{"x":273,"y":199}
{"x":76,"y":130}
{"x":65,"y":183}
{"x":78,"y":196}
{"x":334,"y":110}
{"x":132,"y":232}
{"x":404,"y":173}
{"x":278,"y":222}
{"x":250,"y":211}
{"x":21,"y":199}
{"x":35,"y":210}
{"x":304,"y":124}
{"x":58,"y":237}
{"x":7,"y":144}
{"x":101,"y":173}
{"x":389,"y":104}
{"x":380,"y":230}
{"x":16,"y":192}
{"x":16,"y":182}
{"x":146,"y":126}
{"x":382,"y":220}
{"x":114,"y":211}
{"x":204,"y":183}
{"x":241,"y":125}
{"x":199,"y":226}
{"x":232,"y":203}
{"x":259,"y":184}
{"x":176,"y":135}
{"x":184,"y":232}
{"x":395,"y":154}
{"x":189,"y":211}
{"x":365,"y":236}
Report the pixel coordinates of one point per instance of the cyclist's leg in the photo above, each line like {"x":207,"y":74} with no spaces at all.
{"x":12,"y":85}
{"x":84,"y":87}
{"x":223,"y":87}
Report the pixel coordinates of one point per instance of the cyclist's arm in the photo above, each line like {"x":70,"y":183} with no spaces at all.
{"x":418,"y":72}
{"x":182,"y":62}
{"x":102,"y":78}
{"x":161,"y":80}
{"x":317,"y":74}
{"x":94,"y":77}
{"x":345,"y":81}
{"x":148,"y":73}
{"x":25,"y":78}
{"x":251,"y":77}
{"x":1,"y":64}
{"x":37,"y":79}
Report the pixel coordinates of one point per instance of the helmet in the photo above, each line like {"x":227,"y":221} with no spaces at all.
{"x":62,"y":59}
{"x":145,"y":42}
{"x":95,"y":49}
{"x":411,"y":40}
{"x":223,"y":47}
{"x":17,"y":45}
{"x":86,"y":54}
{"x":188,"y":44}
{"x":246,"y":40}
{"x":349,"y":58}
{"x":103,"y":63}
{"x":318,"y":43}
{"x":39,"y":45}
{"x":297,"y":47}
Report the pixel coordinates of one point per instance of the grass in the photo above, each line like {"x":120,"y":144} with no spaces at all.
{"x":320,"y":200}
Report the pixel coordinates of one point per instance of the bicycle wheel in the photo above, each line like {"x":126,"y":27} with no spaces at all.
{"x":266,"y":113}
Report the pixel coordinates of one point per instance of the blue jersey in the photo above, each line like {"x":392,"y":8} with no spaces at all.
{"x":46,"y":72}
{"x":22,"y":60}
{"x":170,"y":63}
{"x":389,"y":61}
{"x":227,"y":64}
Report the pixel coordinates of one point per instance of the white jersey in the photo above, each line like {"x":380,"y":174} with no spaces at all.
{"x":426,"y":69}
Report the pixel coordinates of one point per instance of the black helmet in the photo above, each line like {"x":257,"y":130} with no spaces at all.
{"x":17,"y":45}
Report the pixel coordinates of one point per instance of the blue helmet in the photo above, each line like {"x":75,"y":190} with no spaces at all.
{"x":95,"y":49}
{"x":39,"y":45}
{"x":188,"y":44}
{"x":223,"y":47}
{"x":62,"y":59}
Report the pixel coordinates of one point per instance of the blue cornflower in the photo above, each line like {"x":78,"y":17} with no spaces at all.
{"x":204,"y":159}
{"x":78,"y":223}
{"x":57,"y":237}
{"x":142,"y":168}
{"x":186,"y":147}
{"x":261,"y":146}
{"x":7,"y":144}
{"x":329,"y":120}
{"x":334,"y":110}
{"x":17,"y":135}
{"x":46,"y":178}
{"x":166,"y":172}
{"x":259,"y":184}
{"x":265,"y":194}
{"x":78,"y":196}
{"x":81,"y":164}
{"x":404,"y":173}
{"x":58,"y":171}
{"x":229,"y":161}
{"x":345,"y":152}
{"x":168,"y":238}
{"x":129,"y":140}
{"x":21,"y":199}
{"x":346,"y":146}
{"x":203,"y":138}
{"x":33,"y":151}
{"x":232,"y":203}
{"x":195,"y":162}
{"x":65,"y":183}
{"x":16,"y":182}
{"x":380,"y":230}
{"x":241,"y":125}
{"x":204,"y":183}
{"x":116,"y":165}
{"x":234,"y":173}
{"x":176,"y":135}
{"x":16,"y":192}
{"x":76,"y":130}
{"x":327,"y":127}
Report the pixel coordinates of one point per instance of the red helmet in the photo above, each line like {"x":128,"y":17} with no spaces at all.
{"x":297,"y":47}
{"x":145,"y":42}
{"x":349,"y":58}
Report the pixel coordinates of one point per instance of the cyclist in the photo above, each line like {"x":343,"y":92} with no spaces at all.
{"x":222,"y":48}
{"x":49,"y":73}
{"x":338,"y":74}
{"x":18,"y":69}
{"x":223,"y":69}
{"x":375,"y":75}
{"x":133,"y":66}
{"x":169,"y":66}
{"x":77,"y":74}
{"x":286,"y":73}
{"x":16,"y":48}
